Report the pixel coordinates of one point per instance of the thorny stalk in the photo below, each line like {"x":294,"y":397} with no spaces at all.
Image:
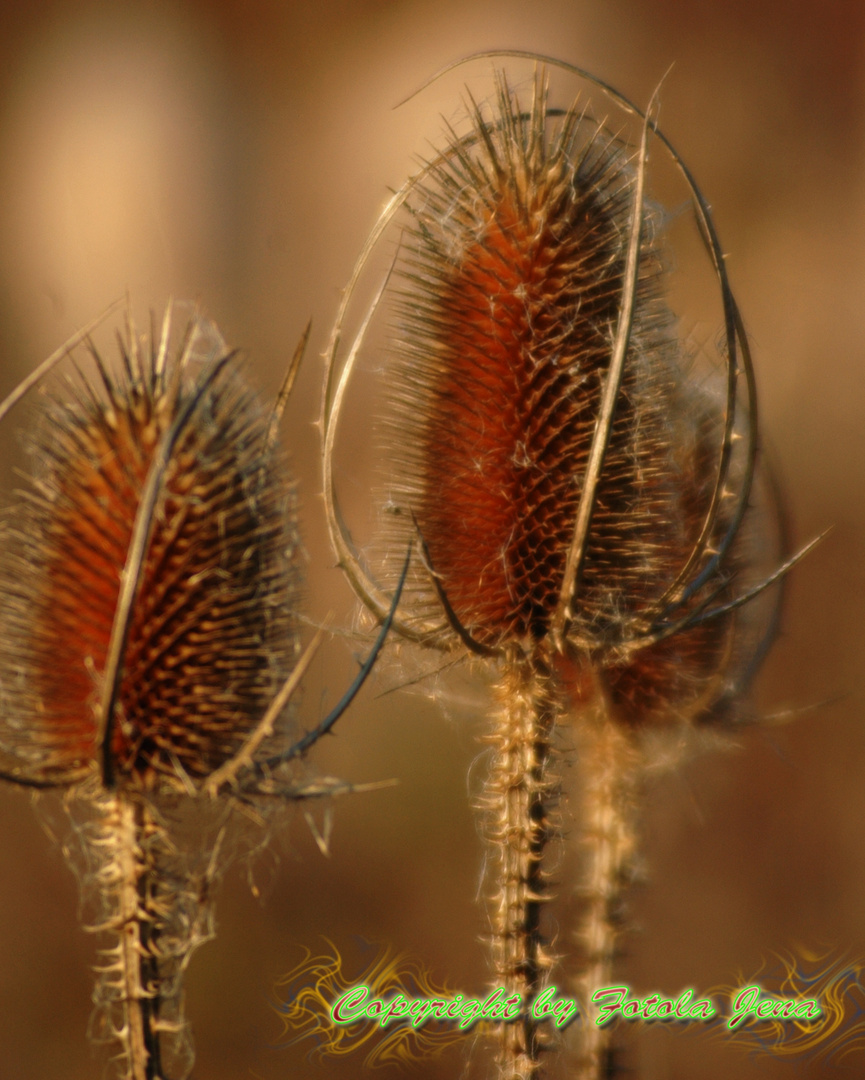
{"x":610,"y":768}
{"x":128,"y":976}
{"x":518,"y":803}
{"x":152,"y":923}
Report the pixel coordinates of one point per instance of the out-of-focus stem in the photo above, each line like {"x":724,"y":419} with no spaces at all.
{"x":610,"y":772}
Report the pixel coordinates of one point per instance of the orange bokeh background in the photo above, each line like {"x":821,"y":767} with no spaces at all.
{"x":238,"y":154}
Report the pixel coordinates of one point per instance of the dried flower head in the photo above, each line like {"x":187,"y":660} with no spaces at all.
{"x":579,"y":502}
{"x":513,"y":283}
{"x":166,"y":477}
{"x":564,"y":502}
{"x":149,"y":580}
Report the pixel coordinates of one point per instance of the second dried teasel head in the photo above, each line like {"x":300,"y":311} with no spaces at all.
{"x":149,"y":649}
{"x":150,"y":577}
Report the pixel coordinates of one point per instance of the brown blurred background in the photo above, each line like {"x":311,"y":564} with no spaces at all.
{"x":238,"y":153}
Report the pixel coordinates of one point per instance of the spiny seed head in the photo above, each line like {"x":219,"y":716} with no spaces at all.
{"x":511,"y":283}
{"x":210,"y":635}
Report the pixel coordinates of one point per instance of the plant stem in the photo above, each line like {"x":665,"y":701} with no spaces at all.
{"x":155,"y":909}
{"x":130,"y":981}
{"x":610,"y":770}
{"x":519,"y":801}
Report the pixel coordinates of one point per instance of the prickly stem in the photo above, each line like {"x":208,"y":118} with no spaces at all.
{"x":153,"y":913}
{"x":130,"y":979}
{"x":520,"y":800}
{"x":610,"y":769}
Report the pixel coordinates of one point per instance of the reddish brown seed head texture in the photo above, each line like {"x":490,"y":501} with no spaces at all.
{"x":512,"y":279}
{"x":210,"y":636}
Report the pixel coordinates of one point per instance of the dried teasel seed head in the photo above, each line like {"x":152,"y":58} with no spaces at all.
{"x":207,"y":636}
{"x":524,"y":239}
{"x":517,"y":259}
